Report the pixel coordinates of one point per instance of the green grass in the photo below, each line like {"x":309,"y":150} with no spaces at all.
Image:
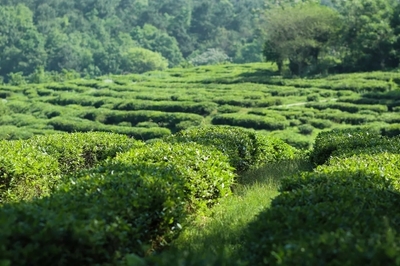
{"x":214,"y":237}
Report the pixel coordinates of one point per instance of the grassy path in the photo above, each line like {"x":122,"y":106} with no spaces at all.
{"x":214,"y":237}
{"x":303,"y":103}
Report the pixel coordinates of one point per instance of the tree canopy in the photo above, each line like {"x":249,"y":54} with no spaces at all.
{"x":92,"y":37}
{"x":332,"y":35}
{"x":300,"y":34}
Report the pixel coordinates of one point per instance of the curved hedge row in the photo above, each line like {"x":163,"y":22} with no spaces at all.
{"x":329,"y":142}
{"x":205,"y":171}
{"x":344,"y":213}
{"x":135,"y":198}
{"x":133,"y":203}
{"x":201,"y":108}
{"x":25,"y":171}
{"x":246,"y":149}
{"x":82,"y":150}
{"x":250,"y":121}
{"x":83,"y":125}
{"x":31,"y":168}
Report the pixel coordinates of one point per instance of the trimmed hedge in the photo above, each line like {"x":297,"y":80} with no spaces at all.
{"x":25,"y":171}
{"x":246,"y":149}
{"x":96,"y":219}
{"x":348,"y":107}
{"x":346,"y":213}
{"x":202,"y":108}
{"x":132,"y":204}
{"x":77,"y":151}
{"x":251,"y":121}
{"x":329,"y":141}
{"x":207,"y":173}
{"x":32,"y":168}
{"x":83,"y":125}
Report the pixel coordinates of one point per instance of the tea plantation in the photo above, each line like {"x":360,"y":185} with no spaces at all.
{"x":156,"y":104}
{"x":216,"y":165}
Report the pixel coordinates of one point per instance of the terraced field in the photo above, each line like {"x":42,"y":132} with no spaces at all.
{"x":156,"y":104}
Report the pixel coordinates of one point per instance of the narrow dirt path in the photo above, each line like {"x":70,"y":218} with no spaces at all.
{"x":303,"y":103}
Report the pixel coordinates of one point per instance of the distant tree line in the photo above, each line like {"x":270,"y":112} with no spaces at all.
{"x":96,"y":37}
{"x":69,"y":38}
{"x":312,"y":37}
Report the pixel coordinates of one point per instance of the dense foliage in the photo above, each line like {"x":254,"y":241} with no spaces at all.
{"x":85,"y":38}
{"x":112,"y":195}
{"x":156,"y":104}
{"x":246,"y":149}
{"x":33,"y":168}
{"x":96,"y":37}
{"x":344,"y":212}
{"x":338,"y":36}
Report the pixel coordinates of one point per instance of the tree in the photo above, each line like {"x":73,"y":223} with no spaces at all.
{"x":369,"y":38}
{"x":151,"y":38}
{"x":21,"y":45}
{"x":140,"y":60}
{"x":301,"y":34}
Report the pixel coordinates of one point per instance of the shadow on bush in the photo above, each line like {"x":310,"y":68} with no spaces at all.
{"x":346,"y":213}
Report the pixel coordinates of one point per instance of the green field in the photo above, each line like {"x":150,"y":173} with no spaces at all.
{"x":156,"y":104}
{"x":228,"y":165}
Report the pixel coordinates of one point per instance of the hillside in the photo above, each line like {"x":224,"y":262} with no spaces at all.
{"x":207,"y":178}
{"x":156,"y":104}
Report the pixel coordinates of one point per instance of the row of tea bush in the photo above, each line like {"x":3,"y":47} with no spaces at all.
{"x":345,"y":212}
{"x":92,"y":198}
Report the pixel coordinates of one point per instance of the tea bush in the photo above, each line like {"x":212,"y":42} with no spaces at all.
{"x":202,"y":108}
{"x":95,"y":219}
{"x":245,"y":149}
{"x":206,"y":172}
{"x":342,"y":213}
{"x":391,"y":130}
{"x":228,"y":109}
{"x":250,"y":121}
{"x":133,"y":203}
{"x":77,"y":151}
{"x":321,"y":123}
{"x":348,"y":107}
{"x":32,"y":168}
{"x":306,"y":129}
{"x":26,"y":172}
{"x":328,"y":142}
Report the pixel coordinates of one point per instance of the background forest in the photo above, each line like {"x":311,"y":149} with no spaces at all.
{"x":99,"y":37}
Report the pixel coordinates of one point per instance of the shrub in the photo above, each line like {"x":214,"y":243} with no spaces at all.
{"x":206,"y":172}
{"x":202,"y":108}
{"x":95,"y":219}
{"x":245,"y":149}
{"x":328,"y":142}
{"x":321,"y":123}
{"x":391,"y":130}
{"x":228,"y":109}
{"x":295,"y":123}
{"x":268,"y":102}
{"x":77,"y":151}
{"x":250,"y":121}
{"x":145,"y":124}
{"x":26,"y":172}
{"x":345,"y":213}
{"x":133,"y":203}
{"x":313,"y":98}
{"x":306,"y":129}
{"x":140,"y":60}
